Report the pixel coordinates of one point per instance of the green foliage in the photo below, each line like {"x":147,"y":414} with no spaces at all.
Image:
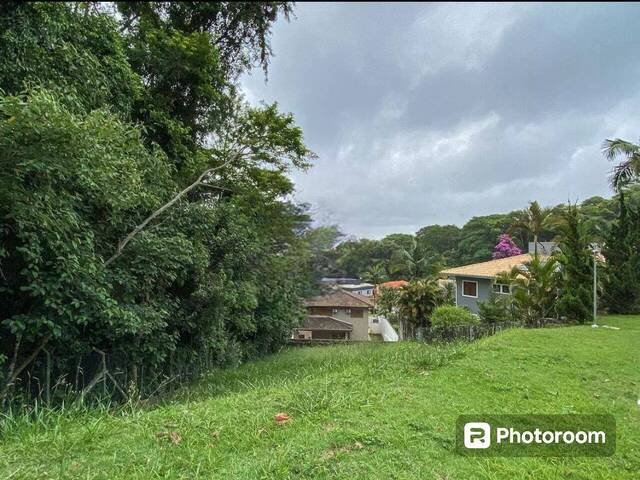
{"x":628,"y":171}
{"x":387,"y":303}
{"x":496,"y":309}
{"x":449,"y":315}
{"x":418,"y":299}
{"x":78,"y":55}
{"x":575,"y":300}
{"x":104,"y":120}
{"x":621,"y":285}
{"x":533,"y":288}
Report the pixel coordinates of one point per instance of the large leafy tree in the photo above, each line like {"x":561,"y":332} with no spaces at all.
{"x":155,"y":239}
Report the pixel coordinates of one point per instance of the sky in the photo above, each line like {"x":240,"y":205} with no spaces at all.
{"x":435,"y":113}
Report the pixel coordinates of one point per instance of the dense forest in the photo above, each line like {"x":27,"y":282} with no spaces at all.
{"x":433,"y":247}
{"x":144,"y":205}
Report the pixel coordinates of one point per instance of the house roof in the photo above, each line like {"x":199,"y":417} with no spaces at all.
{"x":355,"y":286}
{"x":488,"y":269}
{"x":339,"y":298}
{"x":393,"y":284}
{"x":322,"y":322}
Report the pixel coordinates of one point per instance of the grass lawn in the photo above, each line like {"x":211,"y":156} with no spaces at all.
{"x":359,"y":411}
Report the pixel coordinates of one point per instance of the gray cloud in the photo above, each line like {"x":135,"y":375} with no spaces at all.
{"x":434,"y":113}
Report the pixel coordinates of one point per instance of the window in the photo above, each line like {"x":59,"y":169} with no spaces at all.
{"x":348,"y":310}
{"x":357,"y":313}
{"x":334,"y":311}
{"x":469,"y":289}
{"x":501,"y":288}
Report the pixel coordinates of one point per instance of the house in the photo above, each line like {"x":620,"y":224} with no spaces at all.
{"x":338,"y":280}
{"x":337,"y":315}
{"x":475,"y":282}
{"x":322,"y":327}
{"x":364,"y":289}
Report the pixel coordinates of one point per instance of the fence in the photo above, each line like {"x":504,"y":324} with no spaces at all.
{"x":450,"y":333}
{"x":97,"y":376}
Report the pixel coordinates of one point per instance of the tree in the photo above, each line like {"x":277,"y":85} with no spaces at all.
{"x":144,"y":206}
{"x":628,"y":170}
{"x":439,"y":239}
{"x":505,"y":247}
{"x":417,"y":300}
{"x":533,"y":288}
{"x":496,"y":309}
{"x":533,"y":220}
{"x":375,"y":274}
{"x":575,"y":300}
{"x":621,"y":283}
{"x":408,"y":261}
{"x":478,"y":237}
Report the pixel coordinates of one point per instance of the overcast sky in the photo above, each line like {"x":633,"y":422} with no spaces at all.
{"x":425,"y":113}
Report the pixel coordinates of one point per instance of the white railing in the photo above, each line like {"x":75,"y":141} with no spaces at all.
{"x":381,"y":326}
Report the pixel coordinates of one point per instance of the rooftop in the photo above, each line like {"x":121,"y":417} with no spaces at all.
{"x":488,"y":269}
{"x":356,"y":286}
{"x":322,"y":322}
{"x":339,"y":298}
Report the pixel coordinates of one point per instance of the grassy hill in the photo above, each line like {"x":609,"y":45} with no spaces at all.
{"x":359,"y":411}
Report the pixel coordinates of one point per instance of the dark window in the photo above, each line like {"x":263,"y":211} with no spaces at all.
{"x":470,"y":289}
{"x":357,"y":313}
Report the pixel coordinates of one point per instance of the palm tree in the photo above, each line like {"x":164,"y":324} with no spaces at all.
{"x":626,"y":171}
{"x":374,"y":274}
{"x":533,"y":220}
{"x":417,"y":300}
{"x":409,"y":261}
{"x":533,"y":288}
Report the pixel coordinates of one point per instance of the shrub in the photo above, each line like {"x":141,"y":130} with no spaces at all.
{"x":447,"y":315}
{"x":495,"y":310}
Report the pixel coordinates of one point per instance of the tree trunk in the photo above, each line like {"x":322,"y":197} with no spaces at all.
{"x":15,"y":372}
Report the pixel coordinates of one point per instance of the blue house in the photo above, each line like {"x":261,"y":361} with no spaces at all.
{"x":475,"y":282}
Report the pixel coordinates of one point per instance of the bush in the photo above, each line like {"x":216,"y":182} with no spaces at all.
{"x":495,"y":310}
{"x":447,"y":315}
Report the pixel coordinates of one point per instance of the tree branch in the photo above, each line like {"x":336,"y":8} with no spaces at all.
{"x":15,"y":373}
{"x":123,"y":243}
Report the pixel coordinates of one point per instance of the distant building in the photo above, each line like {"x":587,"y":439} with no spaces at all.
{"x":339,"y":280}
{"x":343,"y":315}
{"x":337,"y":315}
{"x":364,"y":289}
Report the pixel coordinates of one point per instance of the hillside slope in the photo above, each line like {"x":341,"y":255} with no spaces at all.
{"x":359,"y":411}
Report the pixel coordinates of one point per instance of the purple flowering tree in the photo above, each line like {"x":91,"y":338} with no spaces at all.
{"x":505,"y":247}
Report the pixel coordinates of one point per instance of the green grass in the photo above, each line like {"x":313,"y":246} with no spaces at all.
{"x":358,"y":411}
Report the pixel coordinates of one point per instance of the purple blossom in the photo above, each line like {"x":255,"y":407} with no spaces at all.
{"x":505,"y":247}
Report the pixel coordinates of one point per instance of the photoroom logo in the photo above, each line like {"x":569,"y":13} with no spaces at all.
{"x":536,"y":435}
{"x":477,"y":435}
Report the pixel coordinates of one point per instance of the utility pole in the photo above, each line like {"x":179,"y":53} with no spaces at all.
{"x":595,"y":248}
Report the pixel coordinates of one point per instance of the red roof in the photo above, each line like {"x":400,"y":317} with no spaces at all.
{"x":393,"y":284}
